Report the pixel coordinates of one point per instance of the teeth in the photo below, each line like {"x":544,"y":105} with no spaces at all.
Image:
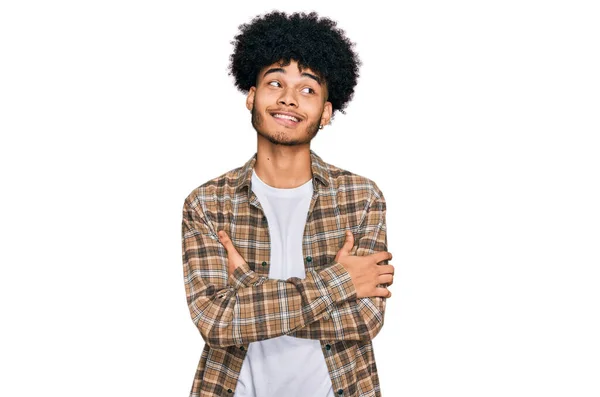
{"x":283,"y":116}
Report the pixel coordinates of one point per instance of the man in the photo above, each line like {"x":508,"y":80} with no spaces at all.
{"x":285,"y":258}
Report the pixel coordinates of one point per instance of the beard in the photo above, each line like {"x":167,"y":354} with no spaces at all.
{"x":282,"y":137}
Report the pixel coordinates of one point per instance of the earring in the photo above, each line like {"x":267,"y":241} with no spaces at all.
{"x":321,"y":127}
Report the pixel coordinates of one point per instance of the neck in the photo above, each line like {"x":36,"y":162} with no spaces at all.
{"x":283,"y":167}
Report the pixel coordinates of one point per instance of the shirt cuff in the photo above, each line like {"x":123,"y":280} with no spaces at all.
{"x":242,"y":276}
{"x":339,"y":283}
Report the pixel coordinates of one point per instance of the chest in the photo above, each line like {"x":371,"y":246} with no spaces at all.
{"x":320,"y":224}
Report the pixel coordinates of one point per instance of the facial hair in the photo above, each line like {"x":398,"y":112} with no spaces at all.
{"x":282,"y":137}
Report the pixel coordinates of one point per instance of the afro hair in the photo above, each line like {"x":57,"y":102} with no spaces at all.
{"x":312,"y":42}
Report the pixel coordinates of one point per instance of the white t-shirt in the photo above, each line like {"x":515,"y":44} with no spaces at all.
{"x":284,"y":366}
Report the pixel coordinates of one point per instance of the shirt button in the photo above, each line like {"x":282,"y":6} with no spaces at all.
{"x":326,"y":316}
{"x":309,"y":259}
{"x":231,"y":391}
{"x":264,"y":263}
{"x":328,"y":346}
{"x":340,"y":392}
{"x":242,"y":348}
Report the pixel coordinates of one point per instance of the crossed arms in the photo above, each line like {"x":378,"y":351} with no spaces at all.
{"x":242,"y":307}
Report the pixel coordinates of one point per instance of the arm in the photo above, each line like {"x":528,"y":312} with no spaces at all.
{"x":362,"y":318}
{"x":242,"y":307}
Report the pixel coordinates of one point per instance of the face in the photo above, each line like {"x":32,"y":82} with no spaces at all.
{"x":288,"y":104}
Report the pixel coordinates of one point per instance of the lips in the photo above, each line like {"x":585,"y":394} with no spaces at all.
{"x":285,"y":121}
{"x":286,"y":113}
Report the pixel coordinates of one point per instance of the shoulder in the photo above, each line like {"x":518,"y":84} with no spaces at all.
{"x":349,"y":183}
{"x":215,"y":190}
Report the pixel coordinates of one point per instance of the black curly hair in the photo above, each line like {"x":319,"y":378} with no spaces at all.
{"x":312,"y":42}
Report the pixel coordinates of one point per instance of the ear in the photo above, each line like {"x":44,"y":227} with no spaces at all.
{"x":327,"y":112}
{"x":250,"y":98}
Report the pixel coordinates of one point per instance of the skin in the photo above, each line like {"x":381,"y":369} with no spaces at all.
{"x":283,"y":152}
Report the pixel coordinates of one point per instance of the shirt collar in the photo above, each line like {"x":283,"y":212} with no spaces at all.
{"x":320,"y":171}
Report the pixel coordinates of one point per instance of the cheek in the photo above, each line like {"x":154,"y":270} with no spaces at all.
{"x":266,"y":95}
{"x":313,"y":109}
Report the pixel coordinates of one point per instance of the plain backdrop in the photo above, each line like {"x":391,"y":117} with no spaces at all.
{"x":478,"y":120}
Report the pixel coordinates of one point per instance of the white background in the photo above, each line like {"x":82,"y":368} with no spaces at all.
{"x":478,"y":120}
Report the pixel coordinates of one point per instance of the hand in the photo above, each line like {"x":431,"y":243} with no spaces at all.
{"x":366,"y":274}
{"x":234,"y":259}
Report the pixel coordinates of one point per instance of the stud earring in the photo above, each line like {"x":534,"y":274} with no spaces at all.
{"x":321,"y":127}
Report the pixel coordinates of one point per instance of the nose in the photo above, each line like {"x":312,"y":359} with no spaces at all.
{"x":287,"y":98}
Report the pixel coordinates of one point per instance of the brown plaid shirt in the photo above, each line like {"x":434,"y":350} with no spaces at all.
{"x":231,"y":311}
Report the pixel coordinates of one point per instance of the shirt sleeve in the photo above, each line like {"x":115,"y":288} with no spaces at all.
{"x":243,"y":307}
{"x":362,"y":318}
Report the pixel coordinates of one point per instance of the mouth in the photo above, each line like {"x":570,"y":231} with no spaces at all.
{"x":285,"y":120}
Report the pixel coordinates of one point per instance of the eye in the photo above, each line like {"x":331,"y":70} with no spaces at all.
{"x":313,"y":91}
{"x":274,"y":81}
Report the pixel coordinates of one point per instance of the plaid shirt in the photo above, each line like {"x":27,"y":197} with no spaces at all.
{"x":233,"y":310}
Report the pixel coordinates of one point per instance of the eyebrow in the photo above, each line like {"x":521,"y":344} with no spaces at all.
{"x":276,"y":70}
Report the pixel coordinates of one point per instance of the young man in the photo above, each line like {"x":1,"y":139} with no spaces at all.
{"x":285,"y":258}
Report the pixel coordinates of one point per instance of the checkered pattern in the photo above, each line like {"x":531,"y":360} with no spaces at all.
{"x":231,"y":311}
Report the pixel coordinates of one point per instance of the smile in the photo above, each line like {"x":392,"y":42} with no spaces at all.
{"x":286,"y":120}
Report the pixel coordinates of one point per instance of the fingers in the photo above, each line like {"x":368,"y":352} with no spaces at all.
{"x":386,"y":269}
{"x":386,"y":279}
{"x":382,"y":256}
{"x":225,"y":240}
{"x":383,"y":292}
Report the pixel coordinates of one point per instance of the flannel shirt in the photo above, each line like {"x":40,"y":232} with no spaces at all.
{"x":233,"y":310}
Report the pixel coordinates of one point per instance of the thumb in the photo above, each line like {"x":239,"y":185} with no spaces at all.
{"x":349,"y":243}
{"x":225,"y":240}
